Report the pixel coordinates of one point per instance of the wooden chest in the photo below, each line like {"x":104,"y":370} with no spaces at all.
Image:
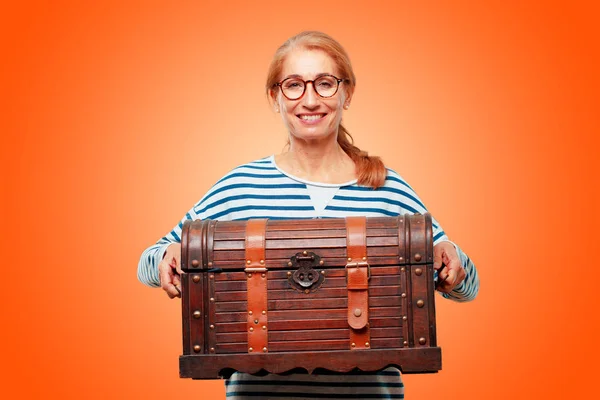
{"x":338,"y":294}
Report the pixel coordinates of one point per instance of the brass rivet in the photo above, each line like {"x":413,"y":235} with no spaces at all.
{"x":264,"y":313}
{"x":250,"y":349}
{"x":290,"y":264}
{"x":403,"y":294}
{"x":264,"y":327}
{"x":256,"y":321}
{"x":195,"y":263}
{"x":418,"y":271}
{"x":249,"y":275}
{"x":401,"y":220}
{"x":420,"y":303}
{"x":405,"y":342}
{"x":321,"y":262}
{"x":349,"y":259}
{"x":197,"y":348}
{"x":212,"y":299}
{"x":417,"y":257}
{"x":212,"y":276}
{"x":401,"y":258}
{"x":196,"y":278}
{"x":404,"y":317}
{"x":353,"y":344}
{"x":364,"y":258}
{"x":262,"y":261}
{"x":197,"y":314}
{"x":289,"y":273}
{"x":357,"y":312}
{"x":305,"y":252}
{"x":306,"y":291}
{"x":422,"y":340}
{"x":265,"y":349}
{"x":402,"y":269}
{"x":212,"y":327}
{"x":212,"y":349}
{"x":262,"y":275}
{"x":323,"y":272}
{"x":249,"y":312}
{"x":248,"y":262}
{"x":251,"y":329}
{"x":367,"y":344}
{"x":210,"y":264}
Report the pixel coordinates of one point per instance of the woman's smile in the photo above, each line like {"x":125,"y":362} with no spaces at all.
{"x":311,"y":118}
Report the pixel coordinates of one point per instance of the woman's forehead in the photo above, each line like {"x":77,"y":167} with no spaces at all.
{"x":308,"y":63}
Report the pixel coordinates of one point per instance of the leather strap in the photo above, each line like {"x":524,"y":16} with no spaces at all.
{"x":357,"y":275}
{"x":256,"y":278}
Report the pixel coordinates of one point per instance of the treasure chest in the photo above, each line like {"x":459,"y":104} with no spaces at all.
{"x":278,"y":295}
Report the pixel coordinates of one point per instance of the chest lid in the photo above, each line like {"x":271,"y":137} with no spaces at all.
{"x":305,"y":244}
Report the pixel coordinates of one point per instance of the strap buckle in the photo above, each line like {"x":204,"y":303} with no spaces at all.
{"x":358,"y":264}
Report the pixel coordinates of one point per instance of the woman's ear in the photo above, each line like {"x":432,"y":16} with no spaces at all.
{"x":348,"y":99}
{"x":273,"y":100}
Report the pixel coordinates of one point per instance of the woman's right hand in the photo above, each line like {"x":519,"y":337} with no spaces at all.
{"x":169,"y":271}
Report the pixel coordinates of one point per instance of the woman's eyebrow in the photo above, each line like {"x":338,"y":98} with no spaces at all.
{"x":301,"y":77}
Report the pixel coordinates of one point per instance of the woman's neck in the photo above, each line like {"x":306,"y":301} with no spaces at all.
{"x":323,"y":162}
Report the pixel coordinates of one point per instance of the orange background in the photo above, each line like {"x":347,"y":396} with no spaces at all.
{"x":117,"y":118}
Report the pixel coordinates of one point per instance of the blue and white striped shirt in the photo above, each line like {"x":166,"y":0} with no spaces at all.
{"x":260,"y":189}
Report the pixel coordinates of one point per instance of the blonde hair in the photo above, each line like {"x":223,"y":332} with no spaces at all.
{"x":369,"y":169}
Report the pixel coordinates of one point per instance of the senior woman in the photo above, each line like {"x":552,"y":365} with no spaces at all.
{"x":322,"y":175}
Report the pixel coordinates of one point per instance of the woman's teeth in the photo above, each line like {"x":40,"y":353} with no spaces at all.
{"x":312,"y":117}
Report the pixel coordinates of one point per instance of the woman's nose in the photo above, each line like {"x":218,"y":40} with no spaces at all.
{"x":310,"y":97}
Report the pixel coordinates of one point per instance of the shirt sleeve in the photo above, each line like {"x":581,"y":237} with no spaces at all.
{"x":466,"y":290}
{"x":147,"y":272}
{"x":411,"y":203}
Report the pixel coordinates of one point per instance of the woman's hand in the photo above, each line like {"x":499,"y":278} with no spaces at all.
{"x":169,"y":271}
{"x":453,"y":273}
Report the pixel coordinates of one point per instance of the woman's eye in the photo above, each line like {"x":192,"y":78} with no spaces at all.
{"x":293,"y":85}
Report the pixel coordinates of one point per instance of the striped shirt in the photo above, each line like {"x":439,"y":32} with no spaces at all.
{"x":260,"y":189}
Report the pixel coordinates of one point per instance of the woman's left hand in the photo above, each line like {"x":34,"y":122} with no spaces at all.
{"x":453,"y":273}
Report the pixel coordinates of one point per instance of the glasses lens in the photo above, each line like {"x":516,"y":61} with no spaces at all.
{"x":326,"y":86}
{"x":292,"y":88}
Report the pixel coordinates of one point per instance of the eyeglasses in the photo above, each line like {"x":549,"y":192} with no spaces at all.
{"x":294,"y":88}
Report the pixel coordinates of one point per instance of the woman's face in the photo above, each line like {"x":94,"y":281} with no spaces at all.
{"x":311,"y":117}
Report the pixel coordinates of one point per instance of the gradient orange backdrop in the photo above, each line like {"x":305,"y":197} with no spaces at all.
{"x":118,"y":116}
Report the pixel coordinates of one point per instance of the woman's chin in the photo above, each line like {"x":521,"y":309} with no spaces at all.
{"x":311,"y":135}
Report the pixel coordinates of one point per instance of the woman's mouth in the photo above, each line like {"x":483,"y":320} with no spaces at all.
{"x":311,"y":118}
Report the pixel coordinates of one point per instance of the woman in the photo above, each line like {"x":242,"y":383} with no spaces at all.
{"x":311,"y":83}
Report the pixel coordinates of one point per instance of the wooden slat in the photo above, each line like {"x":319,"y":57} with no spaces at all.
{"x":312,"y":345}
{"x":390,"y":271}
{"x":224,"y":262}
{"x":293,"y":295}
{"x":375,"y":312}
{"x":387,"y":343}
{"x":274,"y":284}
{"x":308,"y":304}
{"x":330,"y":324}
{"x":275,"y":336}
{"x":309,"y":335}
{"x":327,"y":253}
{"x":306,"y":242}
{"x":238,"y":235}
{"x":316,"y":345}
{"x":231,"y":327}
